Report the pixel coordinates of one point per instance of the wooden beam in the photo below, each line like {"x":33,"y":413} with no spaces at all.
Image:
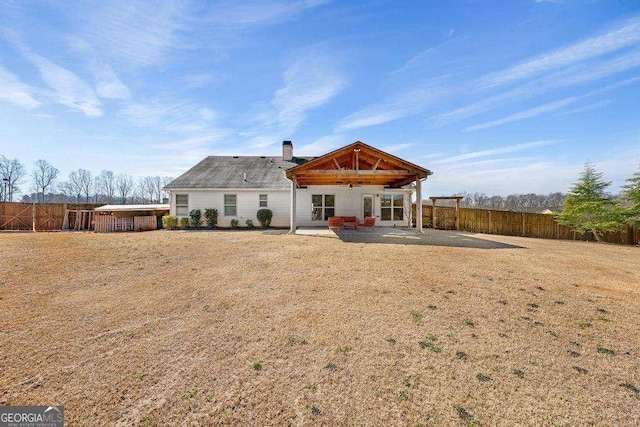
{"x":337,"y":164}
{"x":294,"y":186}
{"x":351,"y":172}
{"x":419,"y":205}
{"x":377,"y":164}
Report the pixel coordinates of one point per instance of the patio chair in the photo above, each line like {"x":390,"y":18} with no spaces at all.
{"x":335,"y":222}
{"x":368,"y":223}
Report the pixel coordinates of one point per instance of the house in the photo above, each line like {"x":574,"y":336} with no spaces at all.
{"x":355,"y":180}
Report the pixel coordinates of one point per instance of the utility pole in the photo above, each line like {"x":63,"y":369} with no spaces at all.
{"x":4,"y":193}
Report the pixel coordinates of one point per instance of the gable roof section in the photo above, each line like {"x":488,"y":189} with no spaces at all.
{"x":220,"y":172}
{"x":357,"y":164}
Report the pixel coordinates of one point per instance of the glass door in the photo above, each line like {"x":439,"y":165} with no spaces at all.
{"x":367,"y":205}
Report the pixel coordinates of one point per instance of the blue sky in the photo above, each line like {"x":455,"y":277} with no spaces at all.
{"x":497,"y":97}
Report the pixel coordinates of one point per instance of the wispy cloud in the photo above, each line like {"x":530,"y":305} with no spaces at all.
{"x":13,"y":91}
{"x":497,"y":151}
{"x":196,"y":81}
{"x":623,"y":36}
{"x":571,"y":65}
{"x":259,"y":13}
{"x":136,"y":33}
{"x":585,"y":108}
{"x":549,"y":107}
{"x":408,"y":103}
{"x":322,"y":145}
{"x":108,"y":85}
{"x":394,"y":148}
{"x":170,"y":115}
{"x":571,"y":76}
{"x":69,"y":89}
{"x":312,"y":80}
{"x":526,"y":114}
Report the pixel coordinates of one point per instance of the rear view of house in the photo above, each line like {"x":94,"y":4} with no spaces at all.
{"x":355,"y":180}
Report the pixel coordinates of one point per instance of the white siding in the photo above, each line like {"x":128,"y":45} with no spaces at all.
{"x":347,"y":203}
{"x":248,"y":203}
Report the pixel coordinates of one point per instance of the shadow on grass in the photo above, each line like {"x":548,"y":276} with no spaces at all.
{"x":396,"y":236}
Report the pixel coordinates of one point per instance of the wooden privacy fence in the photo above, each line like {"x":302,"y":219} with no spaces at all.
{"x":510,"y":223}
{"x":44,"y":217}
{"x":110,"y":223}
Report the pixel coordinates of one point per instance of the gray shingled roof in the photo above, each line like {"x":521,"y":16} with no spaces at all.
{"x":228,"y":172}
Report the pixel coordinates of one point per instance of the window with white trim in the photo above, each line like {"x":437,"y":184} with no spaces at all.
{"x":392,"y":207}
{"x":230,"y":205}
{"x":263,"y":200}
{"x":322,"y":206}
{"x":182,"y":204}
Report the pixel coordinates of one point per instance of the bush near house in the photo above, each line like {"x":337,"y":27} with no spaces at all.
{"x":194,"y":217}
{"x":170,"y":222}
{"x":264,"y":217}
{"x":250,"y":223}
{"x":211,"y":217}
{"x":235,"y":223}
{"x":184,"y":222}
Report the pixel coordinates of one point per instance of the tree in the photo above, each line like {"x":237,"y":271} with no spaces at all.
{"x":81,"y":182}
{"x":13,"y":171}
{"x":146,"y":189}
{"x":588,"y":208}
{"x":124,"y":186}
{"x":630,"y":200}
{"x":44,"y":176}
{"x":106,"y":185}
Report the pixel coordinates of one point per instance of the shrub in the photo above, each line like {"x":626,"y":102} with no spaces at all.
{"x":170,"y":222}
{"x":264,"y":217}
{"x":211,"y":216}
{"x":249,"y":223}
{"x":184,"y":222}
{"x":194,"y":217}
{"x":235,"y":223}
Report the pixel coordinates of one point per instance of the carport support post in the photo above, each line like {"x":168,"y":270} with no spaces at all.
{"x":419,"y":205}
{"x":293,"y":205}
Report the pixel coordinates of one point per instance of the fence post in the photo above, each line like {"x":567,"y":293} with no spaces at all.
{"x":33,"y":216}
{"x":524,"y":229}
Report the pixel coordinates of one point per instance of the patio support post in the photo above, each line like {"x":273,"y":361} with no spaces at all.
{"x":419,"y":205}
{"x":293,"y":205}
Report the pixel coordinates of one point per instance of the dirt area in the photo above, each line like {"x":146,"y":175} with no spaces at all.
{"x":206,"y":328}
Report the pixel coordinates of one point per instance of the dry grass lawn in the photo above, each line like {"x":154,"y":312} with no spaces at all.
{"x":205,"y":328}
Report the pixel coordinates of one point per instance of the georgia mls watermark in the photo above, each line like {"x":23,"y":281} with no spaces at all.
{"x":31,"y":416}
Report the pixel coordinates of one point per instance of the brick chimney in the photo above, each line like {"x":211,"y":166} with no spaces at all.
{"x":287,"y":151}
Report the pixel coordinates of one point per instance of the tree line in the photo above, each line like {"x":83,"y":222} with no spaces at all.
{"x":588,"y":207}
{"x":81,"y":186}
{"x":529,"y":202}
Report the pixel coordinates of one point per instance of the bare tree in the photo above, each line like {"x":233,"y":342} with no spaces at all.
{"x":81,"y":182}
{"x":165,"y":181}
{"x":68,"y":192}
{"x":157,"y":187}
{"x":147,"y":189}
{"x":124,"y":186}
{"x":44,"y":176}
{"x":13,"y":171}
{"x":106,"y":185}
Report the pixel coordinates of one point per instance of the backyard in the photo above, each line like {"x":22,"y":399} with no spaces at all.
{"x":188,"y":328}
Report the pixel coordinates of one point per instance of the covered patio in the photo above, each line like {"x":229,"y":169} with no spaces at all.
{"x":405,"y":236}
{"x":378,"y":185}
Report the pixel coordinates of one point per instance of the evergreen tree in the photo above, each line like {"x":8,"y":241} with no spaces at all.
{"x":588,"y":208}
{"x":630,"y":200}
